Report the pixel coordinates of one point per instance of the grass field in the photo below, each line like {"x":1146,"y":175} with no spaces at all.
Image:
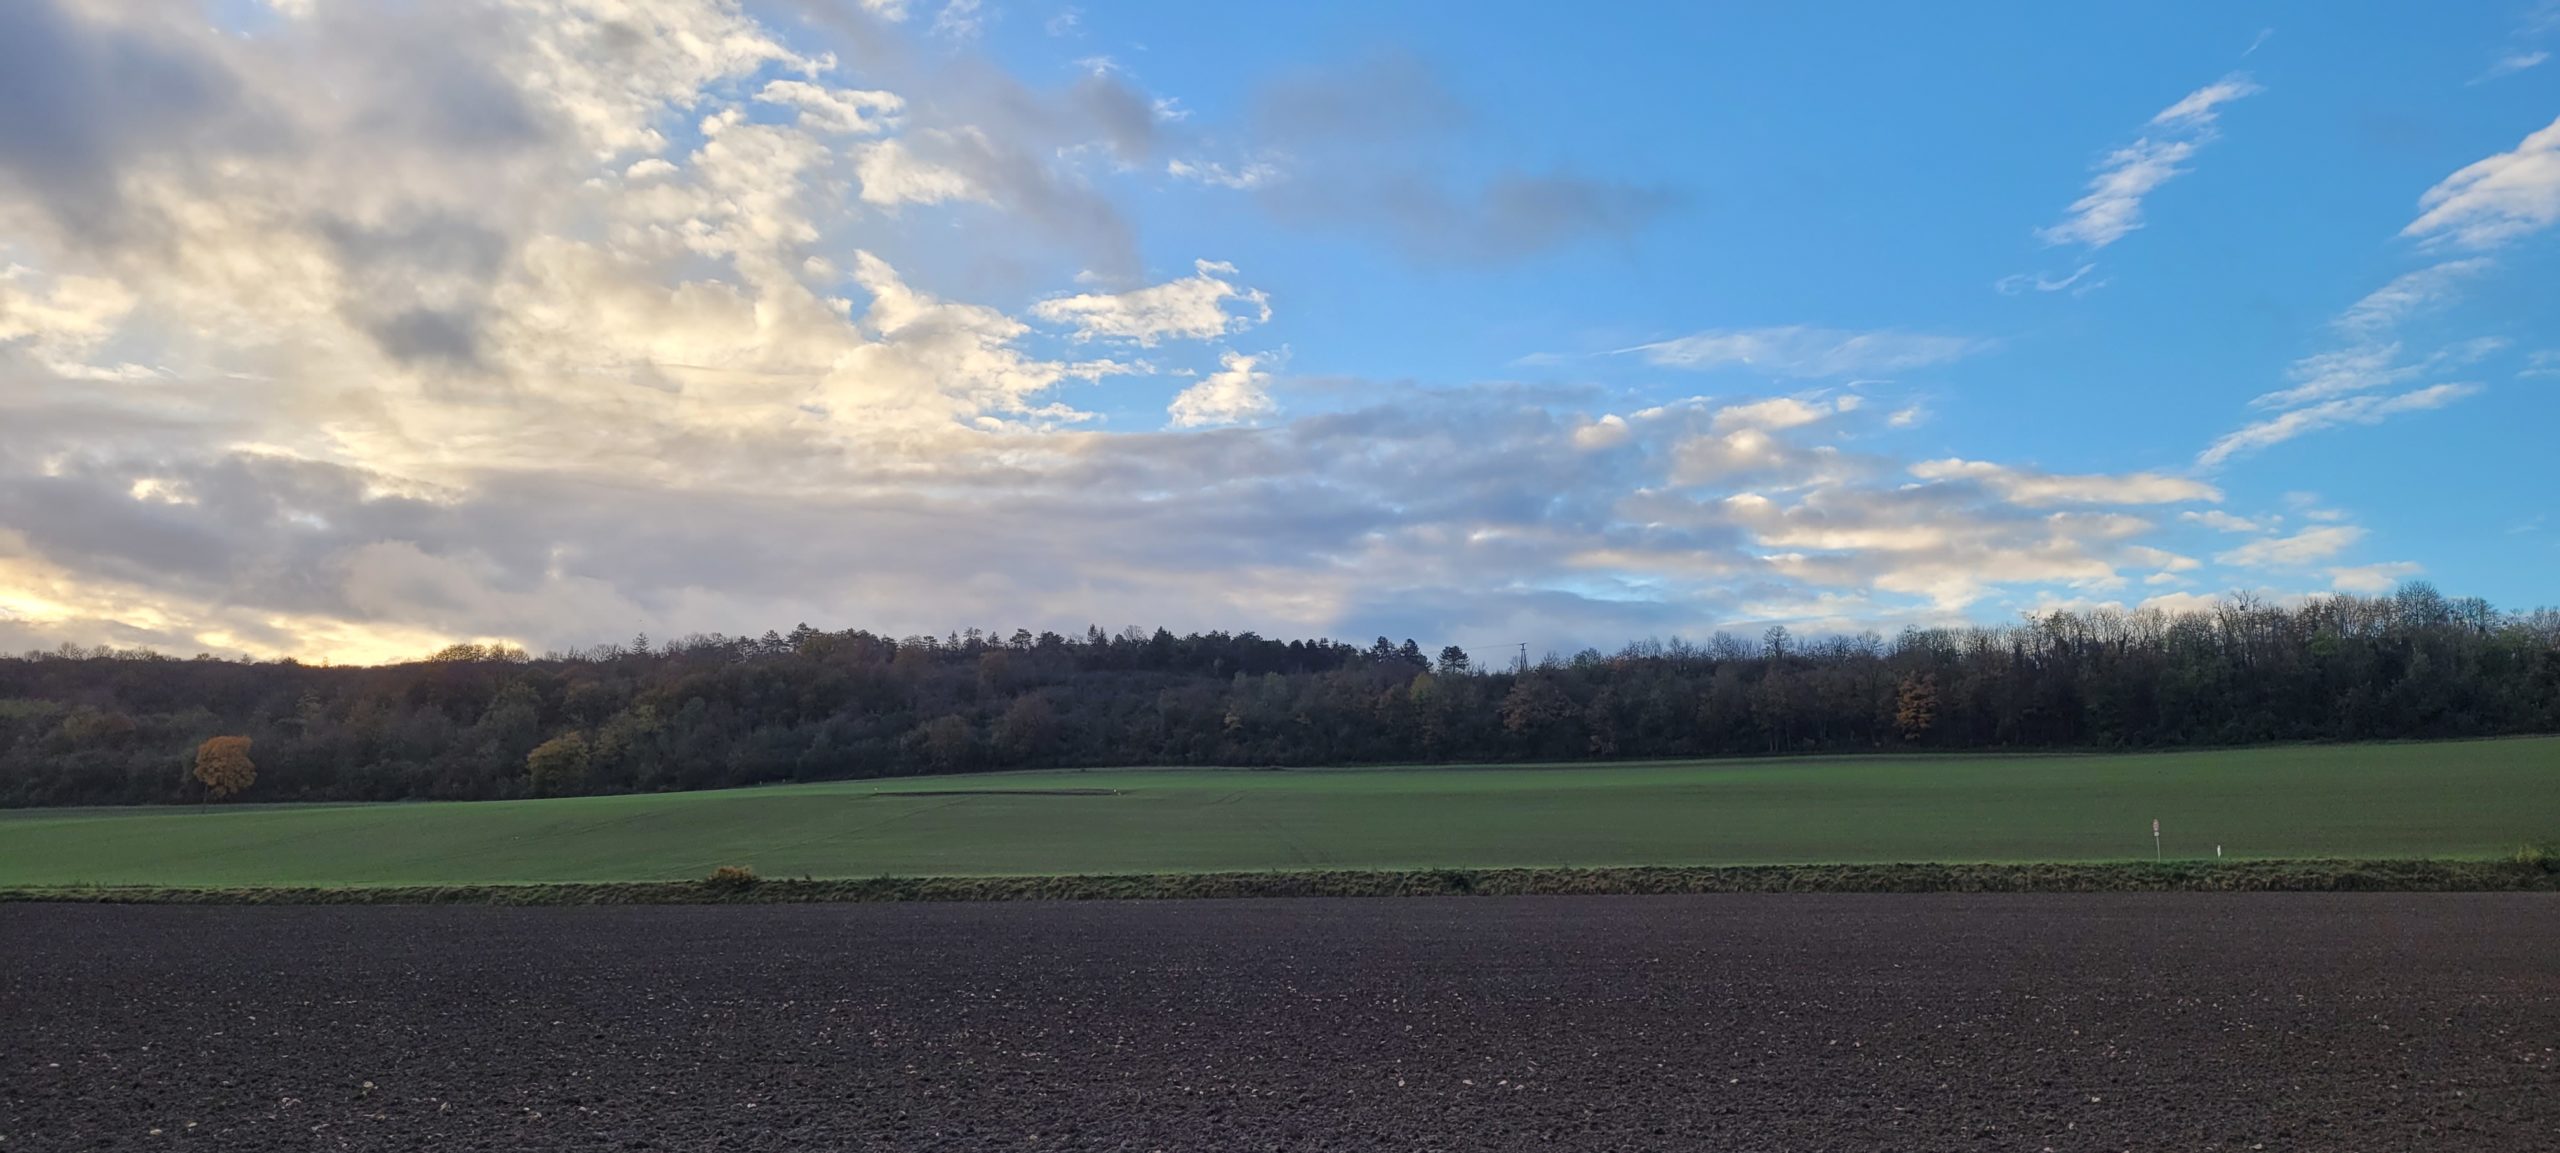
{"x":2459,"y":799}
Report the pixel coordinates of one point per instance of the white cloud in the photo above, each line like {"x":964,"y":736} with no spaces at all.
{"x":1806,"y":352}
{"x":2196,"y":109}
{"x":2221,"y":521}
{"x":2506,"y":196}
{"x":1243,"y":177}
{"x":1192,"y":308}
{"x":1777,"y":413}
{"x":2512,"y":63}
{"x":2180,"y":604}
{"x":2326,"y":386}
{"x":1239,"y":392}
{"x":1729,"y":457}
{"x":2036,"y":489}
{"x":2112,"y":207}
{"x":2324,"y":375}
{"x":2168,"y":562}
{"x":1609,"y":431}
{"x":892,"y":174}
{"x":2329,"y":414}
{"x":1928,"y":543}
{"x":2409,"y":294}
{"x":2020,"y":282}
{"x":2372,"y":578}
{"x":843,"y":111}
{"x":2306,"y":547}
{"x":1747,"y":442}
{"x":959,"y":20}
{"x":429,"y":380}
{"x":61,"y":323}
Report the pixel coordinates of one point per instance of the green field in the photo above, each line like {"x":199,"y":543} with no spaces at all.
{"x":2459,"y":799}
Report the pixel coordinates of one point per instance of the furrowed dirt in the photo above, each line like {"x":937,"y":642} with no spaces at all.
{"x":1840,"y":1022}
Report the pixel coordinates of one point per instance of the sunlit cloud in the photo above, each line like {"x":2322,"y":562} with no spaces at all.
{"x":548,"y":323}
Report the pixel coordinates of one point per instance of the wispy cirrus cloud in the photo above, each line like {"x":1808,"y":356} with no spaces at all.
{"x":2112,"y":207}
{"x":2336,"y":388}
{"x":2490,"y":202}
{"x":2512,"y":63}
{"x":2367,"y":367}
{"x":2325,"y":415}
{"x":2040,"y":489}
{"x":2540,"y":21}
{"x":1807,"y":352}
{"x":1244,"y":176}
{"x":339,"y":342}
{"x":2407,"y":295}
{"x":2078,"y":283}
{"x":2199,"y":109}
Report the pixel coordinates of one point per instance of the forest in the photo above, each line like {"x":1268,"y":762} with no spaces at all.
{"x":80,"y":727}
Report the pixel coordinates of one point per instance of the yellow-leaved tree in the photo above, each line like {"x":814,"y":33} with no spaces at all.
{"x":223,"y":764}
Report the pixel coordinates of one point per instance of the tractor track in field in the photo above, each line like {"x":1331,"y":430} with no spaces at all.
{"x":1766,"y":1022}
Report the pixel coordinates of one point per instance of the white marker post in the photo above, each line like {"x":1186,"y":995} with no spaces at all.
{"x":2155,"y":838}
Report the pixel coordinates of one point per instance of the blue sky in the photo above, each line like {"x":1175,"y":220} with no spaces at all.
{"x":342,"y":329}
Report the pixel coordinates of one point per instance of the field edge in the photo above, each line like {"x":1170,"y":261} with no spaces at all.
{"x":2376,"y":876}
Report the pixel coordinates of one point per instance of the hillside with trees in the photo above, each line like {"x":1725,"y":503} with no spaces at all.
{"x":80,"y":727}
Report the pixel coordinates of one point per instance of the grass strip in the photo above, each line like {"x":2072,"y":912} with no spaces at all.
{"x":2368,"y":876}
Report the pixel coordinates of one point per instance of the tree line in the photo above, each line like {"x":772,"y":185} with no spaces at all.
{"x":121,"y":727}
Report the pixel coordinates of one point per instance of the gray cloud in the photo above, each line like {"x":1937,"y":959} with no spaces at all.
{"x":1455,"y":515}
{"x":1390,"y":97}
{"x":80,"y":96}
{"x":1362,"y":142}
{"x":429,"y":77}
{"x":1361,"y":508}
{"x":1004,"y":134}
{"x":418,"y":286}
{"x":403,"y":375}
{"x":1125,"y":116}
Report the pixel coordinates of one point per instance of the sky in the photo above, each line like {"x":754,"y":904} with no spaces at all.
{"x":343,"y":330}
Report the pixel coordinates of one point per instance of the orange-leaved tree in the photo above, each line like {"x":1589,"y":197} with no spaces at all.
{"x":223,"y":764}
{"x":1916,"y":706}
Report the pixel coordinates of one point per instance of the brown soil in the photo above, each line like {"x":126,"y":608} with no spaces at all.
{"x":1761,"y":1022}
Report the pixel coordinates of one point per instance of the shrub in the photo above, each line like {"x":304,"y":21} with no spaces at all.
{"x":2542,"y":855}
{"x":731,"y":878}
{"x":1454,"y":880}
